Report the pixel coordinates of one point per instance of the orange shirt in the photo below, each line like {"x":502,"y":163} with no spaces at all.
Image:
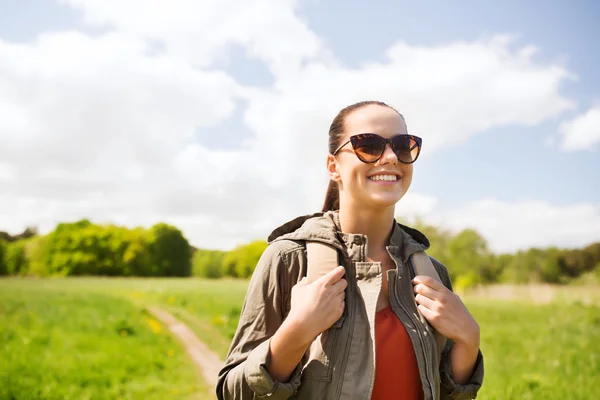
{"x":396,"y":369}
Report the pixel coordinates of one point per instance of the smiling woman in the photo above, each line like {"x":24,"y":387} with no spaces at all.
{"x":353,"y":332}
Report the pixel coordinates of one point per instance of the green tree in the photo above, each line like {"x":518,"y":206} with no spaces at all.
{"x":169,"y":251}
{"x":35,"y":248}
{"x":134,"y":253}
{"x":15,"y":258}
{"x":241,"y":261}
{"x":469,"y":253}
{"x":82,"y":248}
{"x":61,"y":253}
{"x":550,"y":266}
{"x":574,"y":262}
{"x":208,"y":263}
{"x":500,"y":264}
{"x":26,"y":234}
{"x":3,"y":268}
{"x":439,"y":240}
{"x":592,"y":252}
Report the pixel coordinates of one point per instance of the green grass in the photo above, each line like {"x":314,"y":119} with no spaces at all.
{"x":539,"y":351}
{"x":549,"y":351}
{"x":210,"y":308}
{"x":61,"y":344}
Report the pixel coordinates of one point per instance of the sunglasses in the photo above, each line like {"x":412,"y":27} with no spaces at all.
{"x":369,"y":147}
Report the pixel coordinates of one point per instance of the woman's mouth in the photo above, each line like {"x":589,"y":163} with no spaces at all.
{"x":385,"y":179}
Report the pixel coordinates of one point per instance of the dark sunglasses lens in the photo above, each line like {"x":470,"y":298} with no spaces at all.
{"x":407,"y":148}
{"x":368,"y":148}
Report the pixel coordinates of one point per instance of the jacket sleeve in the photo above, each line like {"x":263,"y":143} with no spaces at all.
{"x":244,"y":374}
{"x":450,"y":390}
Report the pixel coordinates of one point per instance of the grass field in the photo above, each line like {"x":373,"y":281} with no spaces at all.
{"x":63,"y":338}
{"x":69,"y":344}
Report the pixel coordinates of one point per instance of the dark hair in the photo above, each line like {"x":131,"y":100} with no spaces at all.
{"x":336,"y":134}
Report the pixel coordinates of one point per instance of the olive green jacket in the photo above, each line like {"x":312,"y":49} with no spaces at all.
{"x":340,"y":363}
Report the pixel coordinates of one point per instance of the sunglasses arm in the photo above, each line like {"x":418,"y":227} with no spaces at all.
{"x":339,"y":148}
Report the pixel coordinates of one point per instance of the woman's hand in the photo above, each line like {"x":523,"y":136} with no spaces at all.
{"x":445,"y":311}
{"x":316,"y":306}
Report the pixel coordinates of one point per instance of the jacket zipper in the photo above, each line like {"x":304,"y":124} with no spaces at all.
{"x":429,"y":356}
{"x":421,"y":340}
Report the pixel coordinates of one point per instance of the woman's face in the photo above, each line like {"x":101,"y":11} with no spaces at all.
{"x":356,"y":178}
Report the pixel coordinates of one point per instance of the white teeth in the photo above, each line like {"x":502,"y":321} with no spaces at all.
{"x":388,"y":178}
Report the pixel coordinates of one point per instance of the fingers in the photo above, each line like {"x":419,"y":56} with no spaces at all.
{"x":340,"y":286}
{"x":425,"y":301}
{"x":333,"y":276}
{"x":430,"y":282}
{"x":427,"y":313}
{"x":426,"y":291}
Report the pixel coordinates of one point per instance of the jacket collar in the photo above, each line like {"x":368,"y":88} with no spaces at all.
{"x":324,"y":227}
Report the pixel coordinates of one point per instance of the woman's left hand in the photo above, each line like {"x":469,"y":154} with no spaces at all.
{"x":445,"y":311}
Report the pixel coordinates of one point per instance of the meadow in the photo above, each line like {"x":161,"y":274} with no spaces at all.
{"x":92,"y":338}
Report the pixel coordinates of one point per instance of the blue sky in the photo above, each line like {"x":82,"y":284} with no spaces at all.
{"x":509,"y":163}
{"x":510,"y":175}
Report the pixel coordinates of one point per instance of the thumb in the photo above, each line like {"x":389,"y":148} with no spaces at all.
{"x":334,"y":275}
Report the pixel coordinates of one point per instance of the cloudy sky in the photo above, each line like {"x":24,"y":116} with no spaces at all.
{"x":213,"y":115}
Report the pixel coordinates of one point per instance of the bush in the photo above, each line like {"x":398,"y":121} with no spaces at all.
{"x":82,"y":248}
{"x":15,"y":258}
{"x":208,"y":264}
{"x":241,"y":261}
{"x":465,"y":282}
{"x":34,"y":255}
{"x":169,"y":251}
{"x":3,"y":268}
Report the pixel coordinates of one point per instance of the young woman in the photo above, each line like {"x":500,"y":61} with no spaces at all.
{"x":354,"y":333}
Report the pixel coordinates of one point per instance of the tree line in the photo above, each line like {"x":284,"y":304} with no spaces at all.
{"x":84,"y":248}
{"x":470,"y":261}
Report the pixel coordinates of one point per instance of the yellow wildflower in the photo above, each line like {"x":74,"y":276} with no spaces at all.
{"x":154,"y":325}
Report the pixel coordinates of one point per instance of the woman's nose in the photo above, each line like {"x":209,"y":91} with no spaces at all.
{"x":388,"y":156}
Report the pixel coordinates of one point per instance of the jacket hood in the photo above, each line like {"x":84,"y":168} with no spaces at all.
{"x":324,"y":227}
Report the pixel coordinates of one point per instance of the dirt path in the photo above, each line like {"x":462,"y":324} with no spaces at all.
{"x":208,"y":361}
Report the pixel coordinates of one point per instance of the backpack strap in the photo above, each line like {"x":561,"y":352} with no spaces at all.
{"x":422,"y":265}
{"x":323,"y":258}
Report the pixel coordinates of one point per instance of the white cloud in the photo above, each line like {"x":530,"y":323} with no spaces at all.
{"x":582,"y":132}
{"x":513,"y":226}
{"x":201,"y":31}
{"x":77,"y":101}
{"x":104,"y":126}
{"x":415,"y":205}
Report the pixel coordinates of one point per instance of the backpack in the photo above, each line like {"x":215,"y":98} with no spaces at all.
{"x":323,"y":258}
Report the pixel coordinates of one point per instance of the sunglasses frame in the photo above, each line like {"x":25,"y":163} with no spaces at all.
{"x":386,"y":141}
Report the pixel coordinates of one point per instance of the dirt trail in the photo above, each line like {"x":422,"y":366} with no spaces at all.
{"x":208,"y":361}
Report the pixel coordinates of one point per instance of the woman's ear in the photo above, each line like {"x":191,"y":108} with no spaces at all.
{"x":332,"y":168}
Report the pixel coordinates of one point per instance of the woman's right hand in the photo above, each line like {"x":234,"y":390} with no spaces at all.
{"x":316,"y":306}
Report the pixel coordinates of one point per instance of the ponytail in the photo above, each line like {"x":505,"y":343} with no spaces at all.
{"x":332,"y":197}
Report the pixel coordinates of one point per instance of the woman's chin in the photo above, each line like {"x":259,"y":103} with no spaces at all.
{"x":385,"y":200}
